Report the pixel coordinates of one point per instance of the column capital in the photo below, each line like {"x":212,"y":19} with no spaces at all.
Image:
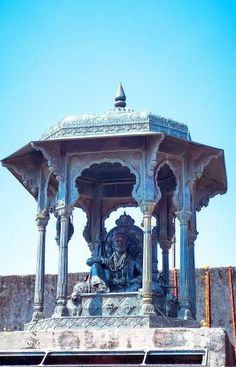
{"x":147,"y":207}
{"x":183,"y":216}
{"x":165,"y":245}
{"x":42,"y":218}
{"x":64,"y":210}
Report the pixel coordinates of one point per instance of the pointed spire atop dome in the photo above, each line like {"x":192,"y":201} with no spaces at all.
{"x":120,"y":97}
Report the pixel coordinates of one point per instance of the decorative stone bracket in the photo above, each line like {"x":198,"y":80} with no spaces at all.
{"x":29,"y":176}
{"x":53,"y":156}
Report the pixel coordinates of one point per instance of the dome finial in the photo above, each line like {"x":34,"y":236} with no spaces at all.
{"x":120,"y":97}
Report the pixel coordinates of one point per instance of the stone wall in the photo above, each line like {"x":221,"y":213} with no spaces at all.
{"x":117,"y":340}
{"x":220,"y":302}
{"x":16,"y":298}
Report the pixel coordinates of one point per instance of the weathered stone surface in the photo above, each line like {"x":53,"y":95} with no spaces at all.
{"x":122,"y":339}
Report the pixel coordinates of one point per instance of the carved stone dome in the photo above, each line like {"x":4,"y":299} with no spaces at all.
{"x":120,"y":121}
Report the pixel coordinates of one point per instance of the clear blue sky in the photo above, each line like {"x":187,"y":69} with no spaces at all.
{"x":62,"y":57}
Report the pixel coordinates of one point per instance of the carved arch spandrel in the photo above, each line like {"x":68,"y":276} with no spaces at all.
{"x":175,"y":164}
{"x":43,"y":180}
{"x":131,"y":160}
{"x":152,"y":153}
{"x":86,"y":206}
{"x":148,"y":191}
{"x":51,"y":190}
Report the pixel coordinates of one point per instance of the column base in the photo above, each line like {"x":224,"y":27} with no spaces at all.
{"x":37,"y":315}
{"x":147,"y":309}
{"x":184,"y":312}
{"x":60,"y":311}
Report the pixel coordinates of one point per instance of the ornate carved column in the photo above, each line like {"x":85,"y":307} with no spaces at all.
{"x":62,"y":279}
{"x":184,"y":312}
{"x":42,"y":221}
{"x":191,"y":265}
{"x":147,"y":306}
{"x":166,"y":233}
{"x":96,"y":218}
{"x":165,"y":245}
{"x":155,"y":253}
{"x":165,"y":264}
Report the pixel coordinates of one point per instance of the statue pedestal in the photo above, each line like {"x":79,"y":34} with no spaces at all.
{"x":104,"y":310}
{"x":120,"y":304}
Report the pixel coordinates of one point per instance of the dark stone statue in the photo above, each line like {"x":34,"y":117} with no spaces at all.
{"x":117,"y":265}
{"x":117,"y":272}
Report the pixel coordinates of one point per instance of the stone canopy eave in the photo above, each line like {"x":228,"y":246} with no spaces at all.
{"x":28,"y":148}
{"x":214,"y":178}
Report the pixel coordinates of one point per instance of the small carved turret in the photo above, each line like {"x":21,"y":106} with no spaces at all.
{"x":120,"y":97}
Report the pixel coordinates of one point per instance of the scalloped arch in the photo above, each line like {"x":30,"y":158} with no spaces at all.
{"x":86,"y":165}
{"x":86,"y":232}
{"x":176,"y":171}
{"x":115,"y":207}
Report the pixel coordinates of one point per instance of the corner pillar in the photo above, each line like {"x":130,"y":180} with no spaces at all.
{"x":42,"y":221}
{"x":184,"y":299}
{"x":96,"y":219}
{"x":155,"y":253}
{"x":165,"y":245}
{"x":62,"y":279}
{"x":165,"y":264}
{"x":147,"y":306}
{"x":192,"y":235}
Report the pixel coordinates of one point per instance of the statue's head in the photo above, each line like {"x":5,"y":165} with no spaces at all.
{"x":119,"y":243}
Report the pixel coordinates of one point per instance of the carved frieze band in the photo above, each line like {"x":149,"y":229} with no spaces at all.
{"x":88,"y":322}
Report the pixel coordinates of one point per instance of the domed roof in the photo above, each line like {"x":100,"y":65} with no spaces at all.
{"x":120,"y":121}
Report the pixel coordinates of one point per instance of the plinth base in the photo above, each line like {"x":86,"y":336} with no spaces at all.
{"x":107,"y":322}
{"x":119,"y":346}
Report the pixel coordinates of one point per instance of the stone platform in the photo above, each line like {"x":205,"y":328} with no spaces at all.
{"x":143,"y":346}
{"x":105,"y":310}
